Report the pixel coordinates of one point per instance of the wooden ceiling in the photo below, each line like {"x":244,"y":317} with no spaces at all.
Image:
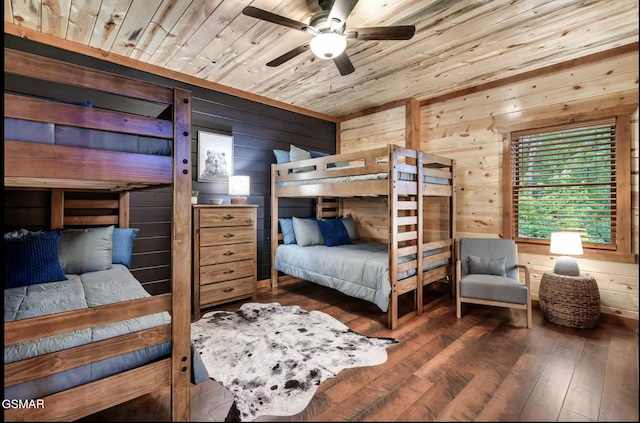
{"x":458,"y":43}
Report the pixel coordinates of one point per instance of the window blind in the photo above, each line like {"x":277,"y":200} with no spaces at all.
{"x":564,"y":178}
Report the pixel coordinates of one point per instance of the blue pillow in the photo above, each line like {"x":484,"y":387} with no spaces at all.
{"x":333,"y":232}
{"x":315,"y":154}
{"x":123,"y":245}
{"x":32,"y":259}
{"x":286,"y":227}
{"x":281,"y":156}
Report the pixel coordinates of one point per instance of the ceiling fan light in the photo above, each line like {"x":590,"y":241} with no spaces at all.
{"x":328,"y":45}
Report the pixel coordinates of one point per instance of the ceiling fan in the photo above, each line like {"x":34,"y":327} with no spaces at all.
{"x":330,"y":33}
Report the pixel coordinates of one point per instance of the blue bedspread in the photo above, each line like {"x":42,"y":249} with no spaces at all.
{"x":82,"y":291}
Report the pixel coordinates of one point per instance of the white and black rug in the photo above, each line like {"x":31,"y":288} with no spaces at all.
{"x":272,"y":358}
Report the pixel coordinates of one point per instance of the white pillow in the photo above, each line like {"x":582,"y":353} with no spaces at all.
{"x":297,"y":153}
{"x":350,"y":226}
{"x":307,"y":232}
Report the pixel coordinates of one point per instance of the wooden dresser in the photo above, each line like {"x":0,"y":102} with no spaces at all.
{"x":224,"y":254}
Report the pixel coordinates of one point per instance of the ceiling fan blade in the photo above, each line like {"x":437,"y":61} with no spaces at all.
{"x":341,"y":9}
{"x":272,"y":17}
{"x":288,"y":55}
{"x":403,"y":32}
{"x":344,"y":64}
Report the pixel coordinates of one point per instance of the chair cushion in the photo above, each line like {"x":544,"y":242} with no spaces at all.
{"x":487,"y":265}
{"x":489,"y":247}
{"x":493,"y":288}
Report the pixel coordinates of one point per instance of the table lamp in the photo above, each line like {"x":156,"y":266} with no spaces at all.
{"x":239,"y":188}
{"x":566,"y":243}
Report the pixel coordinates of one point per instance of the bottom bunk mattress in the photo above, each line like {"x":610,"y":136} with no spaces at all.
{"x":358,"y":270}
{"x":82,"y":291}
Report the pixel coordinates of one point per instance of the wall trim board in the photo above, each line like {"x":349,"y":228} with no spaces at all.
{"x":568,"y":118}
{"x":372,"y":110}
{"x":580,"y":61}
{"x":53,"y":41}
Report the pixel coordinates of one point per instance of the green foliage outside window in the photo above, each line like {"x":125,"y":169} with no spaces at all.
{"x":565,"y":180}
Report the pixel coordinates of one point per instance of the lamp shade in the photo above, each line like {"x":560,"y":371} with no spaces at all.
{"x":328,"y":45}
{"x":566,"y":243}
{"x":239,"y":185}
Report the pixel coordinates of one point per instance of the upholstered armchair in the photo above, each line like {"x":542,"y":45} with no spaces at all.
{"x":487,"y":272}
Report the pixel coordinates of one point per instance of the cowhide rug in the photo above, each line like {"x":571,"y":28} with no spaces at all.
{"x":272,"y":358}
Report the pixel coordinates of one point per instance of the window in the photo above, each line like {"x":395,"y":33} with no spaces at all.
{"x":570,"y":177}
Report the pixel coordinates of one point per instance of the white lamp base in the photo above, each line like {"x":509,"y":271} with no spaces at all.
{"x":567,"y":266}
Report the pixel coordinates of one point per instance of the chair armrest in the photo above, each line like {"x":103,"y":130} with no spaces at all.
{"x":526,"y":274}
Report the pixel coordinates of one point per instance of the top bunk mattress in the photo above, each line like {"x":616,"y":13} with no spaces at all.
{"x":367,"y":177}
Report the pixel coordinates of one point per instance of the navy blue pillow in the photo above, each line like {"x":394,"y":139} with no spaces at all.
{"x":32,"y":259}
{"x":333,"y":232}
{"x":315,"y":154}
{"x":286,"y":227}
{"x":123,"y":245}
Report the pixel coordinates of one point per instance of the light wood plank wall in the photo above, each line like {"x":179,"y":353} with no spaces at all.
{"x":466,"y":129}
{"x":367,"y":132}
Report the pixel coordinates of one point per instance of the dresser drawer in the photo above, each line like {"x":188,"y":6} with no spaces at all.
{"x":217,"y":254}
{"x":224,"y":291}
{"x":226,"y":235}
{"x":226,"y":271}
{"x":226,"y":217}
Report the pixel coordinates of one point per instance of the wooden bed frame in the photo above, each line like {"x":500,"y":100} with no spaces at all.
{"x":406,"y":209}
{"x":59,"y":168}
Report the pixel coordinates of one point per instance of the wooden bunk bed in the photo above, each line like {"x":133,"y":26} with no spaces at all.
{"x":60,"y":169}
{"x":391,"y":172}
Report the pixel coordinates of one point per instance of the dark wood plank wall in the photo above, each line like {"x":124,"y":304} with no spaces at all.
{"x":257,"y":129}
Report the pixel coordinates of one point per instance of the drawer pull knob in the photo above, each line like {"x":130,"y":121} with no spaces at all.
{"x":228,"y":235}
{"x":228,"y":217}
{"x":228,"y":290}
{"x":228,"y":253}
{"x":227,"y":272}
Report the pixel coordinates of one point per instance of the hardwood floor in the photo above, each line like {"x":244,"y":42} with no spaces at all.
{"x":486,"y":366}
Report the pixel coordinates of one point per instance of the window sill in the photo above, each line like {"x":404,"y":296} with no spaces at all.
{"x":590,"y":254}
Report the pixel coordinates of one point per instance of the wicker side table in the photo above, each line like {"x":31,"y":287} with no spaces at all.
{"x":572,"y":301}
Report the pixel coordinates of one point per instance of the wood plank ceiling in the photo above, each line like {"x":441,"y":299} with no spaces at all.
{"x":458,"y":43}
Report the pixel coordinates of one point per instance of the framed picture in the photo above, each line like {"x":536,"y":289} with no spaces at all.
{"x":215,"y":157}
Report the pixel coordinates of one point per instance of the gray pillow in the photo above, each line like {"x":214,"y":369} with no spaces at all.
{"x":307,"y":232}
{"x":297,"y":153}
{"x":487,"y":266}
{"x":350,"y":225}
{"x":85,"y":250}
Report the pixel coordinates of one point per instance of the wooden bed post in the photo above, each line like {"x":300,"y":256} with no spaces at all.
{"x":57,"y":208}
{"x":123,"y":209}
{"x":181,"y":257}
{"x":274,"y":227}
{"x":452,"y":227}
{"x":420,"y":228}
{"x":392,"y":311}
